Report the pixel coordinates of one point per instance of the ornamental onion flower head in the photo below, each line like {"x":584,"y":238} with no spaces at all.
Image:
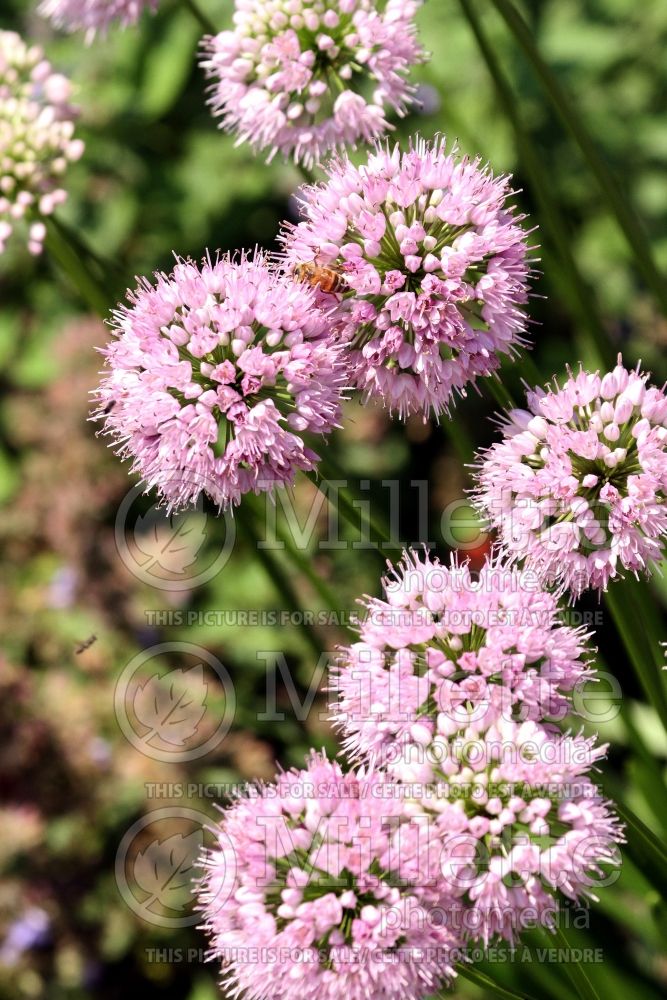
{"x":92,"y":16}
{"x":309,"y":869}
{"x":303,"y":77}
{"x":435,"y":264}
{"x":215,"y":373}
{"x":444,"y":637}
{"x":36,"y":138}
{"x":520,"y":821}
{"x":577,"y":485}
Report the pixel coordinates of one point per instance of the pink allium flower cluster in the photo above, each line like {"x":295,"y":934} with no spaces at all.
{"x":435,"y":264}
{"x":520,"y":821}
{"x":443,"y":639}
{"x":93,"y":16}
{"x":577,"y":485}
{"x":302,"y":77}
{"x":215,"y":373}
{"x":312,"y":874}
{"x":450,"y":690}
{"x":36,"y":138}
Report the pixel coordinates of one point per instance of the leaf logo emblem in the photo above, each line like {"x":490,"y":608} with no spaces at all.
{"x":164,"y":870}
{"x":171,"y":707}
{"x":169,"y":543}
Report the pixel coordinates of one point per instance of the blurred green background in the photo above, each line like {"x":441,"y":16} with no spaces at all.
{"x":158,"y":178}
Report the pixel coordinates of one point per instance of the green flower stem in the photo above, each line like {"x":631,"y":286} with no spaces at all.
{"x":356,"y":517}
{"x":628,"y":220}
{"x":280,"y":580}
{"x":457,"y":434}
{"x":529,"y":370}
{"x":359,"y":508}
{"x":199,"y":15}
{"x":79,"y":265}
{"x":355,"y":511}
{"x":103,"y":264}
{"x":657,"y":798}
{"x":597,"y":341}
{"x":574,"y":971}
{"x":303,"y":563}
{"x":645,"y":849}
{"x":635,"y":630}
{"x":500,"y":392}
{"x":471,"y":973}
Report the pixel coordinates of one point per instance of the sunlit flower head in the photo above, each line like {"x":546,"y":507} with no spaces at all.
{"x":312,"y":874}
{"x":521,"y":822}
{"x":93,"y":16}
{"x":435,"y":266}
{"x":577,"y":485}
{"x":303,"y":77}
{"x":442,"y":637}
{"x":214,"y":375}
{"x":36,"y":139}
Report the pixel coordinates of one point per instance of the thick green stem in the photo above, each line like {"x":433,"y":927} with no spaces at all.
{"x":627,"y":218}
{"x":355,"y":510}
{"x":343,"y":501}
{"x":280,"y":580}
{"x":303,"y":563}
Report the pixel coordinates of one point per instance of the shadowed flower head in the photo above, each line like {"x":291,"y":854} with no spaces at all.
{"x":36,"y":139}
{"x":435,"y":266}
{"x":310,"y":869}
{"x":214,"y":374}
{"x":303,"y":77}
{"x":93,"y":16}
{"x":444,"y":637}
{"x":577,"y":485}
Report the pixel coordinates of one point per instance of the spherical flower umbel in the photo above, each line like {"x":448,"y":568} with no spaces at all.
{"x":442,"y":638}
{"x":435,"y":267}
{"x":36,"y":139}
{"x":303,"y":77}
{"x":520,"y":821}
{"x":577,"y":485}
{"x":215,"y":373}
{"x":93,"y":16}
{"x":308,"y":873}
